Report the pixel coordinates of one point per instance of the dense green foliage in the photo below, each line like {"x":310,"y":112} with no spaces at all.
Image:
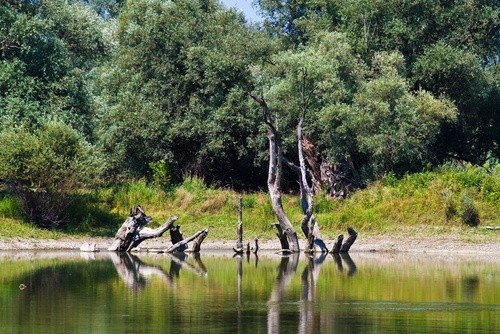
{"x":160,"y":89}
{"x":45,"y":168}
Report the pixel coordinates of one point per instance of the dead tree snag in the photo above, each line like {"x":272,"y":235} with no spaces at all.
{"x":274,"y":178}
{"x":133,"y":231}
{"x":343,"y":246}
{"x":239,"y":243}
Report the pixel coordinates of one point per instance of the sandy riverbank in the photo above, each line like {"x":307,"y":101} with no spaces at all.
{"x":436,"y":244}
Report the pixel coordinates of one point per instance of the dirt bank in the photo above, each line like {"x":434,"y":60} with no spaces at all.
{"x":437,"y":244}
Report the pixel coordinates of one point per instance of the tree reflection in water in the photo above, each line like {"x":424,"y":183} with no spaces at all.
{"x":309,"y":279}
{"x":135,"y":272}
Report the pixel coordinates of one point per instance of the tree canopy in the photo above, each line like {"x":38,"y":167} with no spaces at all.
{"x":163,"y":85}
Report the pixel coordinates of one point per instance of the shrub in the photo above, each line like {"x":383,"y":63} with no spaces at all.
{"x":43,"y":168}
{"x":450,"y":209}
{"x":470,"y":214}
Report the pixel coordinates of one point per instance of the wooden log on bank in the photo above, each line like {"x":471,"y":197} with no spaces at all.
{"x":181,"y":244}
{"x":133,"y":231}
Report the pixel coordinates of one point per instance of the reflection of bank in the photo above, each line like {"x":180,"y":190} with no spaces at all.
{"x":135,"y":272}
{"x":309,"y":279}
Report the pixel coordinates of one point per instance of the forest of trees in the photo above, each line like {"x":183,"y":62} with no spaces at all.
{"x":104,"y":91}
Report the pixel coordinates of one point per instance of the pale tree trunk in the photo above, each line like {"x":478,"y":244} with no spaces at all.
{"x":274,"y":178}
{"x":239,"y":242}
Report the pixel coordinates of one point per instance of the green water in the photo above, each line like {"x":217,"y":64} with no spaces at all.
{"x":72,"y":292}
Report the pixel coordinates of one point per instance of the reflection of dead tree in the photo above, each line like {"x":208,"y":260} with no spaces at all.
{"x":180,"y":259}
{"x":351,"y":266}
{"x":134,"y":272}
{"x":309,"y":279}
{"x":287,"y":269}
{"x":239,"y":263}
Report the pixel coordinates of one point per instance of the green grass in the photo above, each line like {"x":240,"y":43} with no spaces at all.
{"x":430,"y":202}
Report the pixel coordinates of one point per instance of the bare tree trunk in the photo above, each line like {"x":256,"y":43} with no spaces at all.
{"x":198,"y":240}
{"x":344,"y":247}
{"x":132,"y":232}
{"x":239,"y":242}
{"x":308,"y":224}
{"x":350,"y":240}
{"x":274,"y":177}
{"x":338,"y":244}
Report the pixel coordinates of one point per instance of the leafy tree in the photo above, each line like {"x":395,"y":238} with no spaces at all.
{"x":449,"y":48}
{"x":176,"y":91}
{"x":45,"y":55}
{"x":393,"y":128}
{"x":44,"y":168}
{"x":308,"y":80}
{"x":367,"y":119}
{"x":105,"y":8}
{"x":459,"y":75}
{"x":295,"y":21}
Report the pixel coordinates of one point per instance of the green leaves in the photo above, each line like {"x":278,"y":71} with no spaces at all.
{"x":45,"y":167}
{"x":176,"y":90}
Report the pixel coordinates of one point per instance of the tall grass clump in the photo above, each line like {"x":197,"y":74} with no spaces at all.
{"x":470,"y":214}
{"x":10,"y":207}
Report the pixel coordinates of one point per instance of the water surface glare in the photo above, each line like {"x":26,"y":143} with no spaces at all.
{"x":214,"y":292}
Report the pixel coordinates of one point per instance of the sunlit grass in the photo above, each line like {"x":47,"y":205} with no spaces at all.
{"x":428,"y":202}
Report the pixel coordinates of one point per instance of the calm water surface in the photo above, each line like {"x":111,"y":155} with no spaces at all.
{"x":72,"y":292}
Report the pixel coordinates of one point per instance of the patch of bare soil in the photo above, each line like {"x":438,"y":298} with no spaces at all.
{"x":452,"y":243}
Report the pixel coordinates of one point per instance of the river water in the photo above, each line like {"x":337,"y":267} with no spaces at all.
{"x":73,"y":292}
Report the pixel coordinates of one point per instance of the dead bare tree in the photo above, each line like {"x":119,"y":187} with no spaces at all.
{"x":286,"y":232}
{"x":309,"y":226}
{"x":239,"y":243}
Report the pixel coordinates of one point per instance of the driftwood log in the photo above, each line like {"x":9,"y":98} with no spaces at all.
{"x":133,"y":231}
{"x":182,"y":244}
